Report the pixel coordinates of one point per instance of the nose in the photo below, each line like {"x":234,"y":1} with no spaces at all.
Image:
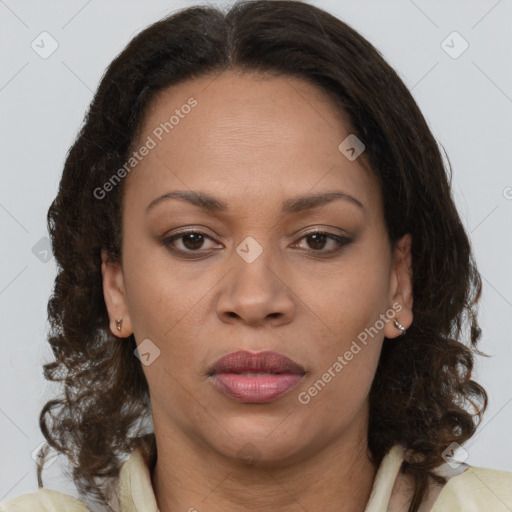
{"x":256,"y":293}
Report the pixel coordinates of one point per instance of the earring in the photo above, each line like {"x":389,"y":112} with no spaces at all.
{"x":118,"y":324}
{"x":399,"y":326}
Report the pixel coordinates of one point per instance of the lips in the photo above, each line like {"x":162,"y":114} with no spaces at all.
{"x":263,"y":362}
{"x":255,"y":378}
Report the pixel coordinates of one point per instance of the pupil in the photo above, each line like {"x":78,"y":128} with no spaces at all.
{"x":316,"y":238}
{"x":193,"y":238}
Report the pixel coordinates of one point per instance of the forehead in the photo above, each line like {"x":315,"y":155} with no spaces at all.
{"x":247,"y":135}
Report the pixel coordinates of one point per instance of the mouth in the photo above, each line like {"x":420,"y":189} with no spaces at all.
{"x":255,"y":378}
{"x":243,"y":362}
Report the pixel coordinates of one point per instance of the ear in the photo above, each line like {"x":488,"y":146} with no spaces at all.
{"x":114,"y":295}
{"x":401,"y":299}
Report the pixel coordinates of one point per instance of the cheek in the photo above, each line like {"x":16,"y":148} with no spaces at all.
{"x":156,"y":295}
{"x":338,"y":396}
{"x":347,"y":357}
{"x":166,"y":306}
{"x":353,"y":297}
{"x":352,"y":306}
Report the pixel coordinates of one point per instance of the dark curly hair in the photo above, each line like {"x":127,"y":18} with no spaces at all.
{"x":422,"y":396}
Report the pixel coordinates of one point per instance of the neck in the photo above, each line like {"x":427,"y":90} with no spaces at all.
{"x":187,"y":477}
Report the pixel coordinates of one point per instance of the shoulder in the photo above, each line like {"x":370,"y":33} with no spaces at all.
{"x":476,"y":489}
{"x":467,"y":489}
{"x":44,"y":500}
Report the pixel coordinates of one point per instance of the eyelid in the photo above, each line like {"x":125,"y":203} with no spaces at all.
{"x":342,"y":240}
{"x":198,"y":228}
{"x":323,"y":229}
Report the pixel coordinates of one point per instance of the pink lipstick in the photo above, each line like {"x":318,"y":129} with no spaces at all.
{"x":255,"y":378}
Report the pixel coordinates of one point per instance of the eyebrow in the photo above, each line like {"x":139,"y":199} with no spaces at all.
{"x":289,"y":206}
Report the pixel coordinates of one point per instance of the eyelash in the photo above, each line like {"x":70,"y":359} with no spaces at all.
{"x":342,"y":241}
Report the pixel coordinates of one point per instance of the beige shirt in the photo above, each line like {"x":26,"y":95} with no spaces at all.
{"x":469,"y":489}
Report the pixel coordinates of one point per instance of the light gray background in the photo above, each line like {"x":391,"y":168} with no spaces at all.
{"x":467,"y":102}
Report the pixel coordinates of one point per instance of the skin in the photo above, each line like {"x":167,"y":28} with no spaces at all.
{"x":253,"y":142}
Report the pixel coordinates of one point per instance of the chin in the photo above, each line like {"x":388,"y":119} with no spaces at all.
{"x":261,"y":445}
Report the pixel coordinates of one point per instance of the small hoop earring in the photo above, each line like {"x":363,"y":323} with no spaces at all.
{"x":118,"y":324}
{"x":400,"y":327}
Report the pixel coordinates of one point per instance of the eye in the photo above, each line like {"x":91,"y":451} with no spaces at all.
{"x":193,"y":241}
{"x":317,"y":240}
{"x":190,"y":240}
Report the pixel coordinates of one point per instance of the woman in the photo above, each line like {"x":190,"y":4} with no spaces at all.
{"x":260,"y":257}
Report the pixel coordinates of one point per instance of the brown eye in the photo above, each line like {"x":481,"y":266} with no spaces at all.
{"x":194,"y":241}
{"x":191,"y":241}
{"x":318,"y":240}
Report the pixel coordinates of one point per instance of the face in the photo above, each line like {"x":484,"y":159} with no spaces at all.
{"x":196,"y":283}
